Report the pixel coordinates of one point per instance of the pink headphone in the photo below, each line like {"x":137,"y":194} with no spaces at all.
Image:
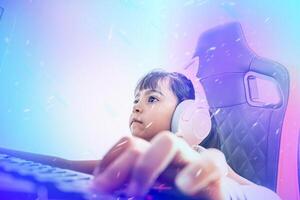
{"x":191,"y":121}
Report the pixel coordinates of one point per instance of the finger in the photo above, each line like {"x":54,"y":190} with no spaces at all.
{"x":113,"y":153}
{"x":116,"y":174}
{"x":185,"y":155}
{"x":209,"y":169}
{"x":151,"y":164}
{"x":120,"y":147}
{"x":163,"y":150}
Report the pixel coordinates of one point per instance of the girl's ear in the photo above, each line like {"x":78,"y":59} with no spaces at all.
{"x":191,"y":121}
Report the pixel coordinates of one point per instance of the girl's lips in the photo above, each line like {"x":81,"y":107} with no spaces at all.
{"x":136,"y":121}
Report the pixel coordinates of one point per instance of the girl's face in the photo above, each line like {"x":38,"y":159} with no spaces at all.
{"x":152,"y":110}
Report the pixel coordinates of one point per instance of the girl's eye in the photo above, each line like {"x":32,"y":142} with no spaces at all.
{"x":135,"y":101}
{"x":152,"y":99}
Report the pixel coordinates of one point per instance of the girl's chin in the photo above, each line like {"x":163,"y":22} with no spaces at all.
{"x":138,"y":134}
{"x":141,"y":134}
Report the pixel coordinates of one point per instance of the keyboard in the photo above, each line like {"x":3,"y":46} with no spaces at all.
{"x":57,"y":182}
{"x":33,"y":180}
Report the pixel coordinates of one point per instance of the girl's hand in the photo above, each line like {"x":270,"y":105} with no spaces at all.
{"x":138,"y":164}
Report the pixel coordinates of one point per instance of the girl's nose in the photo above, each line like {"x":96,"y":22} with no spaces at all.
{"x":137,"y":108}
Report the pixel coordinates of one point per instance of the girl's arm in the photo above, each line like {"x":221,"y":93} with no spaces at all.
{"x":85,"y":166}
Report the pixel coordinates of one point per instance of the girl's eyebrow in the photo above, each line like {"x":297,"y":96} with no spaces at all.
{"x":154,"y":91}
{"x":149,"y":92}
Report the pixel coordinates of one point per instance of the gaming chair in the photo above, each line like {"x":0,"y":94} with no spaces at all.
{"x":247,"y":96}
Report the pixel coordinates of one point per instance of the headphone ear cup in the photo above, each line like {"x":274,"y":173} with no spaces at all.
{"x":191,"y":122}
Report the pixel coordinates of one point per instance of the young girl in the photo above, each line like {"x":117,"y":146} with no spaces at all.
{"x":157,"y":154}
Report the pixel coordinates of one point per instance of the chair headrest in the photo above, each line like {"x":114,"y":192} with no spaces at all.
{"x":222,"y":47}
{"x":233,"y":74}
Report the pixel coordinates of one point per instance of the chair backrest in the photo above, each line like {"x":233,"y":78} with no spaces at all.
{"x":248,"y":97}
